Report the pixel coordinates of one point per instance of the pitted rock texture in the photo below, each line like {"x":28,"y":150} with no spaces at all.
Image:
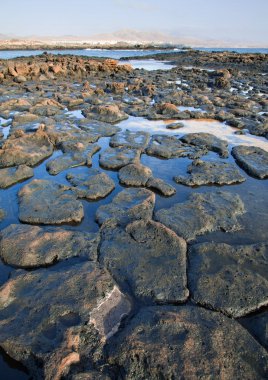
{"x":252,"y":159}
{"x":116,"y":158}
{"x":129,"y":205}
{"x":130,"y":139}
{"x":203,"y":213}
{"x":210,"y":173}
{"x":12,"y":175}
{"x":149,"y":257}
{"x":186,"y":342}
{"x":232,"y":279}
{"x":26,"y":246}
{"x":106,"y":113}
{"x":98,"y":127}
{"x":170,"y":146}
{"x":57,"y":331}
{"x":47,"y":202}
{"x":134,"y":175}
{"x":28,"y":149}
{"x":92,"y":186}
{"x":207,"y":141}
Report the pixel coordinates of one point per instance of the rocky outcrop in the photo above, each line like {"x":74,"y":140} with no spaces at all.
{"x":10,"y":176}
{"x":106,"y":113}
{"x":231,"y":279}
{"x":207,"y":141}
{"x":131,"y":140}
{"x":116,"y":158}
{"x":48,"y":202}
{"x":252,"y":159}
{"x":203,"y":213}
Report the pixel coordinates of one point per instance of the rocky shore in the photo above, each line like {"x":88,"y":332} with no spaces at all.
{"x":133,"y":217}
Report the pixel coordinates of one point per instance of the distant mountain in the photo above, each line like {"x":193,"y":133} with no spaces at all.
{"x":128,"y":35}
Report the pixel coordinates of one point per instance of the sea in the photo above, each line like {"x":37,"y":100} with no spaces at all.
{"x":118,"y":53}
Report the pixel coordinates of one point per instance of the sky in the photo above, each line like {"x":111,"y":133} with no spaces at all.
{"x":241,"y":20}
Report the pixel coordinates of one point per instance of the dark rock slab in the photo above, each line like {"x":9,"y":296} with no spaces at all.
{"x":12,"y":175}
{"x":92,"y":186}
{"x":130,"y":139}
{"x":26,"y":246}
{"x":139,"y":256}
{"x":47,"y":202}
{"x":116,"y":158}
{"x":127,"y":206}
{"x":61,"y":132}
{"x":186,"y":342}
{"x":2,"y":214}
{"x":210,"y":173}
{"x":52,"y":319}
{"x":170,"y":146}
{"x":82,"y":156}
{"x":98,"y":127}
{"x":203,"y":213}
{"x":161,"y":186}
{"x":28,"y":149}
{"x":208,"y":141}
{"x":252,"y":159}
{"x":175,"y":125}
{"x":231,"y":279}
{"x":134,"y":175}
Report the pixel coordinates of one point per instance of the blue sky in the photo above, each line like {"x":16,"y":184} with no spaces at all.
{"x":218,"y":19}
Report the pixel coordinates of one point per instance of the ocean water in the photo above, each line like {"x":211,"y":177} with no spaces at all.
{"x":116,"y":53}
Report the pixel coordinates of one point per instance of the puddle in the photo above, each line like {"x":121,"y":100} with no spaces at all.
{"x":192,"y":109}
{"x":75,"y":113}
{"x":214,"y":127}
{"x":149,"y":64}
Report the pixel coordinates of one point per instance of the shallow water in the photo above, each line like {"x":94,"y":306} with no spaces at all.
{"x":149,"y":64}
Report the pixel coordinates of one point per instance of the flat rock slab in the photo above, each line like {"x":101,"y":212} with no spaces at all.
{"x":2,"y":214}
{"x":210,"y":173}
{"x":72,"y":159}
{"x":99,"y":128}
{"x":134,"y":175}
{"x":48,"y":202}
{"x":203,"y":213}
{"x":130,"y":139}
{"x":25,"y":246}
{"x":116,"y":158}
{"x":252,"y":159}
{"x":92,"y":186}
{"x":186,"y":342}
{"x":69,"y":310}
{"x":127,"y":206}
{"x":161,"y":186}
{"x":170,"y":146}
{"x":28,"y":149}
{"x":106,"y":113}
{"x":67,"y":132}
{"x":10,"y":176}
{"x":232,"y":279}
{"x":208,"y":141}
{"x":139,"y":256}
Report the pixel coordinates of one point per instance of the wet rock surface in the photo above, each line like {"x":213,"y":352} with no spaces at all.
{"x":217,"y":274}
{"x":210,"y":172}
{"x":25,"y":246}
{"x":208,"y":141}
{"x":106,"y":113}
{"x":252,"y":159}
{"x":10,"y":176}
{"x":189,"y":342}
{"x":138,"y":256}
{"x":116,"y":158}
{"x":169,"y":146}
{"x":92,"y":186}
{"x":203,"y":213}
{"x":128,"y":205}
{"x":134,"y":175}
{"x":48,"y":202}
{"x":25,"y":149}
{"x":60,"y":308}
{"x":129,"y":139}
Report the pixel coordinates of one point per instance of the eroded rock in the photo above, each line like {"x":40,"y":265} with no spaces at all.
{"x":134,"y":175}
{"x":130,"y":204}
{"x":161,"y":186}
{"x":186,"y":342}
{"x":131,"y":140}
{"x":12,"y":175}
{"x":27,"y":246}
{"x":116,"y":158}
{"x":106,"y":113}
{"x":203,"y":213}
{"x":232,"y":279}
{"x":48,"y":202}
{"x":207,"y":141}
{"x":252,"y":159}
{"x":209,"y":173}
{"x":138,"y":255}
{"x":92,"y":186}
